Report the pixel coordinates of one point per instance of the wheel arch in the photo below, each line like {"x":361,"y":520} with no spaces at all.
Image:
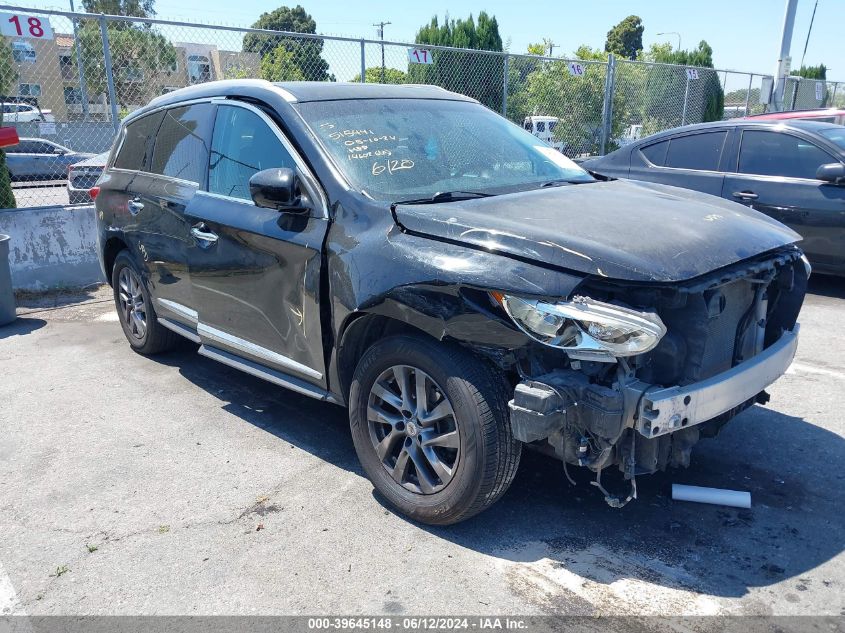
{"x":111,"y":248}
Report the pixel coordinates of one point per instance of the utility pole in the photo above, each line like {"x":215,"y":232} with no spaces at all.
{"x":784,"y":61}
{"x":83,"y":89}
{"x":550,"y":44}
{"x":381,"y":26}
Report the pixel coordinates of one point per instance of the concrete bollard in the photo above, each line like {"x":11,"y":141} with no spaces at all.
{"x":7,"y":295}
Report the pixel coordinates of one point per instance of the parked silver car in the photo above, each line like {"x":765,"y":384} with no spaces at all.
{"x":40,"y":159}
{"x":82,"y":176}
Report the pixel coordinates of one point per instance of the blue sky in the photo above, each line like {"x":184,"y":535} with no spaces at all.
{"x":744,"y":34}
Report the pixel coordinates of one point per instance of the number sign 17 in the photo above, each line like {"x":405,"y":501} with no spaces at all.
{"x":17,"y":25}
{"x":419,"y":56}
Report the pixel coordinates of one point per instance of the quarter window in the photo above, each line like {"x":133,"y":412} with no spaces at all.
{"x":242,"y":145}
{"x":656,"y":153}
{"x":780,"y":154}
{"x":697,"y":151}
{"x":181,"y":145}
{"x":137,"y":148}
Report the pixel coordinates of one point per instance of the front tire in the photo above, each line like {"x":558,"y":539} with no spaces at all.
{"x":430,"y":425}
{"x":135,"y":309}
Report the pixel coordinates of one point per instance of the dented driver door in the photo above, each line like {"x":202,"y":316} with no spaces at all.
{"x":255,"y":272}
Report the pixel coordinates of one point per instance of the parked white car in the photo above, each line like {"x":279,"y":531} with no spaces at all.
{"x":24,"y":113}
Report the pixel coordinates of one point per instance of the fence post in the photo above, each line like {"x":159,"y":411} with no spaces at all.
{"x":363,"y":63}
{"x":104,"y":33}
{"x":686,"y":97}
{"x":83,"y":88}
{"x":748,"y":95}
{"x":607,"y":107}
{"x":505,"y":87}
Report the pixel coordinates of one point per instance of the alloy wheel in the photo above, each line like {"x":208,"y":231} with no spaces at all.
{"x":133,"y":308}
{"x":413,"y":429}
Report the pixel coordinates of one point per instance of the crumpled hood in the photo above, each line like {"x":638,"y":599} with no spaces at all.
{"x":627,"y":230}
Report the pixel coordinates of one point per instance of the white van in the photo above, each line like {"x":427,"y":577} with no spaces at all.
{"x":543,"y":128}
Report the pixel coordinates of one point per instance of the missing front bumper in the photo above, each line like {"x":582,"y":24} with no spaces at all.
{"x":665,"y":410}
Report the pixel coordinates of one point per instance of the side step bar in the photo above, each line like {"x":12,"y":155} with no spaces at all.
{"x":270,"y":375}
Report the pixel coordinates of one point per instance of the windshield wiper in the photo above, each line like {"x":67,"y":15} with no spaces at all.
{"x":448,"y":196}
{"x":564,"y":181}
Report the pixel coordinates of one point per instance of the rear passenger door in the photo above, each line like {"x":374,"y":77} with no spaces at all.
{"x":255,"y":272}
{"x":175,"y":146}
{"x":692,"y":161}
{"x":775,"y":174}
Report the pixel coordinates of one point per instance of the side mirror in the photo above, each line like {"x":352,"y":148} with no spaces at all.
{"x":276,"y":188}
{"x":832,"y":172}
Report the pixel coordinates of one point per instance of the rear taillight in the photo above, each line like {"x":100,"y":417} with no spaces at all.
{"x":94,"y":192}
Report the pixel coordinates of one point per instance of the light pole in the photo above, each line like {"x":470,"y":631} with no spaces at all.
{"x":782,"y":70}
{"x":673,"y":33}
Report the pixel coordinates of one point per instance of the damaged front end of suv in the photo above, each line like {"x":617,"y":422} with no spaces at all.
{"x":648,"y":371}
{"x":664,"y":335}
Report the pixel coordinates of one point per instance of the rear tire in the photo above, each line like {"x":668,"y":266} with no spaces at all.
{"x":135,"y":309}
{"x":410,"y":452}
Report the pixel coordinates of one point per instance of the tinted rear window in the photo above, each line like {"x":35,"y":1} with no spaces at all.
{"x":181,"y":147}
{"x":136,"y":151}
{"x":699,"y":151}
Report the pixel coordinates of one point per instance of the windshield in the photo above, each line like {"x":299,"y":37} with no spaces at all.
{"x":835,"y":135}
{"x":403,"y":149}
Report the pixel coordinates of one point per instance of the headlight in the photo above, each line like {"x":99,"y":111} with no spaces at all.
{"x":584,"y":328}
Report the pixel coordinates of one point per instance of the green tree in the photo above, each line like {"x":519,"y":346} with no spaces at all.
{"x":626,"y":38}
{"x":280,"y":65}
{"x":667,"y":88}
{"x":8,"y":78}
{"x":811,"y":72}
{"x":305,"y":53}
{"x":474,"y":74}
{"x":550,"y":89}
{"x":372,"y":75}
{"x":137,"y":51}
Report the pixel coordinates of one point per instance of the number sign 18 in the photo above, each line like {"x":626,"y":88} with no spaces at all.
{"x":18,"y":25}
{"x":419,"y":56}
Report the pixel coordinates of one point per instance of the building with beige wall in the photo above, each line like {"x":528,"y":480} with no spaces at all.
{"x":47,"y":71}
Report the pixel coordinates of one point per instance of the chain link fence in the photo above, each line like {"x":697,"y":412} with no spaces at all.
{"x":67,"y":89}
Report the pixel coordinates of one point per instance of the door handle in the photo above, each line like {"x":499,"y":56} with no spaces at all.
{"x":745,"y":195}
{"x":135,"y":205}
{"x":200,"y":231}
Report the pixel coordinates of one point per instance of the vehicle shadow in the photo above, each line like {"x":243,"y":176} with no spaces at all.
{"x":794,"y":524}
{"x":21,"y":327}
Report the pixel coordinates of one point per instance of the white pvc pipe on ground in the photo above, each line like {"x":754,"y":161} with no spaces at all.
{"x":716,"y":496}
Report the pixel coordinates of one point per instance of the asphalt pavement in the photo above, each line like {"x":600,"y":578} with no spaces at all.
{"x":175,"y":485}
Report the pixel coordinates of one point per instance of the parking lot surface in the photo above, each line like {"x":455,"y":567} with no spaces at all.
{"x":175,"y":485}
{"x":42,"y":194}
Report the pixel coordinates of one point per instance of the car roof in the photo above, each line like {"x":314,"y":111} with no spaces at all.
{"x":797,"y":114}
{"x":297,"y":92}
{"x":793,"y":124}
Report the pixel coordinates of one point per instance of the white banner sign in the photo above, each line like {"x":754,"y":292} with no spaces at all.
{"x":419,"y":56}
{"x":819,"y":90}
{"x":20,"y":25}
{"x":576,"y":69}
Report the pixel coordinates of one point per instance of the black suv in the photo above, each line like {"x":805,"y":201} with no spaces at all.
{"x":463,"y":288}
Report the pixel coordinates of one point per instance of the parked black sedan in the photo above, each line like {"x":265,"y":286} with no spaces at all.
{"x":793,"y":171}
